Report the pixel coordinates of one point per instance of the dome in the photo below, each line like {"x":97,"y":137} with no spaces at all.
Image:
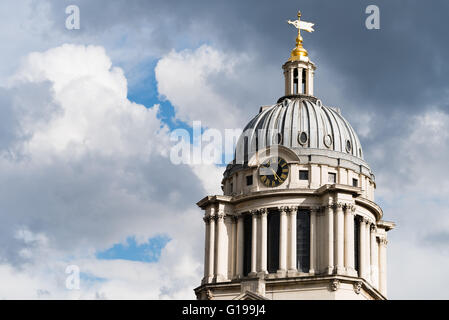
{"x":302,"y":124}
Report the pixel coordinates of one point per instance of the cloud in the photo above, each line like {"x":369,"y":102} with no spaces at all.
{"x":82,"y":170}
{"x":184,"y":79}
{"x":222,"y":90}
{"x":412,"y":190}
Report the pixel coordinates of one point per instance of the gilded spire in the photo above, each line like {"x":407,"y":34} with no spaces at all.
{"x":299,"y":50}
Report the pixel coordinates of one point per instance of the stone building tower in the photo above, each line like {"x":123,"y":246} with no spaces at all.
{"x":297,"y":219}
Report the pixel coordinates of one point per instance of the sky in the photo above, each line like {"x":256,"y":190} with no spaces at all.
{"x":86,"y":117}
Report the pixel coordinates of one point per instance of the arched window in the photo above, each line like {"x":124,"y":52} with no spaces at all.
{"x":273,"y":241}
{"x":303,"y":240}
{"x":247,"y":240}
{"x":356,"y":243}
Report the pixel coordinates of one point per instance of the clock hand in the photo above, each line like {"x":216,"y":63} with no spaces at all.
{"x":275,"y":175}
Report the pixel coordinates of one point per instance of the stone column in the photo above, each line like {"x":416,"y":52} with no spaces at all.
{"x":211,"y":247}
{"x":368,"y":251}
{"x":339,"y":239}
{"x":283,"y":240}
{"x":231,"y":226}
{"x":313,"y":245}
{"x":321,"y":240}
{"x":383,"y":266}
{"x":374,"y":257}
{"x":263,"y":240}
{"x":206,"y":249}
{"x":329,"y":217}
{"x":292,"y":85}
{"x":254,"y":243}
{"x":349,"y":239}
{"x":362,"y":248}
{"x":239,"y":247}
{"x":221,"y":249}
{"x":292,"y":240}
{"x":306,"y":91}
{"x":310,"y":73}
{"x":300,"y":81}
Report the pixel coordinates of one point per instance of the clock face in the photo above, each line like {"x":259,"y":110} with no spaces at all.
{"x":273,"y":171}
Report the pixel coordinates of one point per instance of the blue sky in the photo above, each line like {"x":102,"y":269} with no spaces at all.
{"x":149,"y":251}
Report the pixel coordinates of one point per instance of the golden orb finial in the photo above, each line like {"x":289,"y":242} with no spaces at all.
{"x":299,"y":50}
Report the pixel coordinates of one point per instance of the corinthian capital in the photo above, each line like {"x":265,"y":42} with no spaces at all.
{"x":349,"y":208}
{"x":338,"y":205}
{"x":263,"y":211}
{"x":293,"y":209}
{"x":283,"y":209}
{"x":220,"y":215}
{"x":254,"y":212}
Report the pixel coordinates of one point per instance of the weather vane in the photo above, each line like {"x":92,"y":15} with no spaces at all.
{"x":299,"y":51}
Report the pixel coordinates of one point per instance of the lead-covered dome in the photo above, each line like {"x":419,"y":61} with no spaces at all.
{"x":299,"y":123}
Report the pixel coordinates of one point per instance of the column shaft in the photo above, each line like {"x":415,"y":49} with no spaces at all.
{"x":307,"y":88}
{"x":383,"y":266}
{"x":362,"y":249}
{"x":374,"y":262}
{"x":313,"y":245}
{"x":239,"y":247}
{"x":318,"y":237}
{"x":221,"y":249}
{"x":292,"y":240}
{"x":368,"y":251}
{"x":329,"y":215}
{"x":292,"y":85}
{"x":230,"y":226}
{"x":263,"y":240}
{"x":254,"y":243}
{"x":299,"y":87}
{"x":283,"y":240}
{"x":211,"y":259}
{"x":339,"y":239}
{"x":349,"y":240}
{"x":206,"y":249}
